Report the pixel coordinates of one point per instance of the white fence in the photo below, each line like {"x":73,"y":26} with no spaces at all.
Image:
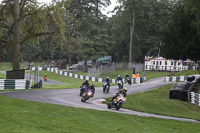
{"x":169,"y":68}
{"x":195,"y":98}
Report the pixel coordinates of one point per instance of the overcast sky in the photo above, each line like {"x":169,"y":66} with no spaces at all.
{"x":110,"y":8}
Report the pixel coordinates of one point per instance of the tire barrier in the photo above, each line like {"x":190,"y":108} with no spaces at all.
{"x":195,"y":98}
{"x":14,"y":84}
{"x":137,"y":80}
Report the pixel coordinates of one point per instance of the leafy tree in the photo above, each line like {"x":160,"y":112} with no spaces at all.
{"x":35,"y":22}
{"x":181,"y":38}
{"x":141,"y":20}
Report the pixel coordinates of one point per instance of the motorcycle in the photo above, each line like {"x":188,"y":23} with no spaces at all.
{"x":117,"y":102}
{"x":86,"y":95}
{"x":106,"y":88}
{"x":128,"y":79}
{"x":83,"y":89}
{"x":119,"y":83}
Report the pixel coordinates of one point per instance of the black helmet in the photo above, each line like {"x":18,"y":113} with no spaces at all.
{"x":86,"y":81}
{"x":92,"y":85}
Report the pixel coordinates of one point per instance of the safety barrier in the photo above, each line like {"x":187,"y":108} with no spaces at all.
{"x":14,"y":84}
{"x":195,"y":98}
{"x":55,"y":70}
{"x":174,"y":79}
{"x":39,"y":68}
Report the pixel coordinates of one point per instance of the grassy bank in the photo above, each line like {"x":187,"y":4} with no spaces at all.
{"x":186,"y":73}
{"x":122,"y":73}
{"x":27,"y":116}
{"x":158,"y":102}
{"x":70,"y":82}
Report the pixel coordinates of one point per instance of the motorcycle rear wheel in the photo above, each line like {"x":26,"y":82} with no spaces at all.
{"x":83,"y":100}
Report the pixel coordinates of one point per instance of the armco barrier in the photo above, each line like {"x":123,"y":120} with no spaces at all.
{"x":14,"y":84}
{"x":138,"y":80}
{"x":195,"y":98}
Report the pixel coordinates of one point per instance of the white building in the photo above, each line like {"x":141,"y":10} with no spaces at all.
{"x":162,"y":64}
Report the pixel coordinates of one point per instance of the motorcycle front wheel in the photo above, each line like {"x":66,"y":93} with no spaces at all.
{"x":118,"y":106}
{"x":104,"y":88}
{"x":109,"y":105}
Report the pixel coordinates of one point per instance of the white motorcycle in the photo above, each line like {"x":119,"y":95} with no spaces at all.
{"x":119,"y":83}
{"x":106,"y":88}
{"x":117,"y":102}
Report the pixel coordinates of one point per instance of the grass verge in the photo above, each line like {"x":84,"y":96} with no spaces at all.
{"x":186,"y":73}
{"x":70,"y":82}
{"x":27,"y":116}
{"x":158,"y":102}
{"x":2,"y":76}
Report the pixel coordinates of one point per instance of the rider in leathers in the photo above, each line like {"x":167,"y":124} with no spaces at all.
{"x":119,"y":78}
{"x":123,"y":92}
{"x":108,"y":82}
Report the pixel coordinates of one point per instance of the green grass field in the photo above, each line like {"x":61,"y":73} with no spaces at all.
{"x":186,"y":73}
{"x":158,"y":102}
{"x":34,"y":117}
{"x":71,"y":82}
{"x":27,"y":116}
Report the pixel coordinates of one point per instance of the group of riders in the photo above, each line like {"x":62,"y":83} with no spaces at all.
{"x":107,"y":80}
{"x":91,"y":87}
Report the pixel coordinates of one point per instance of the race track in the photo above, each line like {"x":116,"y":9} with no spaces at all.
{"x":70,"y":97}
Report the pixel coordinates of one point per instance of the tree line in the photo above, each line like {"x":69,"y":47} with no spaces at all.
{"x":78,"y":30}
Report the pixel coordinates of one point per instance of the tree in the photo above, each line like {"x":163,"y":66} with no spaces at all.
{"x":181,"y":38}
{"x":140,"y":23}
{"x":37,"y":23}
{"x":83,"y":22}
{"x":16,"y":43}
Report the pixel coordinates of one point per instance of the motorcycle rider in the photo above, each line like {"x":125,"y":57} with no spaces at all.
{"x":86,"y":83}
{"x":92,"y":88}
{"x":108,"y":82}
{"x":126,"y":76}
{"x":120,"y":79}
{"x":123,"y":92}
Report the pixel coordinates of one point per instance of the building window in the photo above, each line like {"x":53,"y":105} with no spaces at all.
{"x":160,"y":62}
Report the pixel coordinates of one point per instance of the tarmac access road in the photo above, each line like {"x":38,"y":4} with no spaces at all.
{"x":70,"y":97}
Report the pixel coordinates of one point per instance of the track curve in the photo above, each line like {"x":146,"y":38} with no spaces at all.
{"x":70,"y":97}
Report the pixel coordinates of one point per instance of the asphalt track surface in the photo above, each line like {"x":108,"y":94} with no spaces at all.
{"x":70,"y":97}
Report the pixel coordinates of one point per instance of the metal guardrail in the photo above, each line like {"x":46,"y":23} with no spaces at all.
{"x":195,"y":98}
